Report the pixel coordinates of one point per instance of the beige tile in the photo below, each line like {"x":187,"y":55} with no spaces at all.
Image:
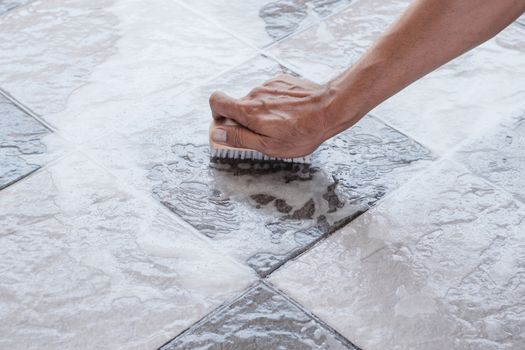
{"x":437,"y":265}
{"x":91,"y":66}
{"x":88,"y":265}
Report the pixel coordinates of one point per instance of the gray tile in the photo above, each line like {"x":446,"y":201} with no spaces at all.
{"x":150,"y":50}
{"x":264,"y":22}
{"x":521,"y":20}
{"x":87,"y":264}
{"x":440,"y":110}
{"x":25,"y":144}
{"x":259,"y":319}
{"x":261,"y":214}
{"x":498,"y":156}
{"x":437,"y":265}
{"x":8,"y":5}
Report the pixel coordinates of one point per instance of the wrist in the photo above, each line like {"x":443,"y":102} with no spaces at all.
{"x":343,"y":106}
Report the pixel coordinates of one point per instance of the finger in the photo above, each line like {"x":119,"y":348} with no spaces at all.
{"x":224,"y":106}
{"x":238,"y":137}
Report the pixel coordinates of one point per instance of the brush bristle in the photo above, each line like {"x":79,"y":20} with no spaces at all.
{"x":222,"y":153}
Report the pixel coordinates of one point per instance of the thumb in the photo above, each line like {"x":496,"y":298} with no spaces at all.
{"x":238,"y":137}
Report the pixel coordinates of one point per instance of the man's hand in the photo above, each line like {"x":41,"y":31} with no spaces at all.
{"x":286,"y":117}
{"x":290,"y":117}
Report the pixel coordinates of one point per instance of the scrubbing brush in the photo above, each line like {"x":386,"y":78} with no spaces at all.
{"x":218,"y":151}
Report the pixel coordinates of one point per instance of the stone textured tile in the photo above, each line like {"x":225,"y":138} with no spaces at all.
{"x":261,"y":214}
{"x":498,"y":155}
{"x":25,"y":144}
{"x":87,"y":67}
{"x":8,"y":5}
{"x":259,"y":319}
{"x":438,"y":265}
{"x":457,"y":101}
{"x":521,"y":20}
{"x":263,"y":22}
{"x":88,"y":265}
{"x":331,"y":46}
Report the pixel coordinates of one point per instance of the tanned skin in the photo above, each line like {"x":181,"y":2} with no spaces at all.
{"x":290,"y":117}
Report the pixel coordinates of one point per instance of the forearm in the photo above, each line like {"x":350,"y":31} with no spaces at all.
{"x":429,"y":34}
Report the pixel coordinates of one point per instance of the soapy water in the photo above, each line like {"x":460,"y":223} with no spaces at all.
{"x":265,"y":212}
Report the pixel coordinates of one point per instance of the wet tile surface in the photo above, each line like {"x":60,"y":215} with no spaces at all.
{"x":88,"y":265}
{"x":438,"y":265}
{"x":498,"y":155}
{"x":331,"y":46}
{"x":263,"y":22}
{"x":260,"y":319}
{"x":111,"y":59}
{"x":464,"y":98}
{"x":25,"y":144}
{"x":261,"y":214}
{"x":521,"y":20}
{"x":453,"y":103}
{"x":8,"y":5}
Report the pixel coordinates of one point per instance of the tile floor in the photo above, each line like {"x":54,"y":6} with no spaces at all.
{"x":406,"y":232}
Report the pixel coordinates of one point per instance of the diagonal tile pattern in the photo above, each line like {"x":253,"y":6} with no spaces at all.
{"x":259,"y":213}
{"x":259,"y":319}
{"x":86,"y":264}
{"x":438,"y":265}
{"x":263,"y":22}
{"x":90,"y":262}
{"x":459,"y":100}
{"x":498,"y":155}
{"x":330,"y":47}
{"x":110,"y":60}
{"x":25,"y":144}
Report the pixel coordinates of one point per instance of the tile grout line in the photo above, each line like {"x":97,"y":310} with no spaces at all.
{"x":404,"y":132}
{"x":223,"y":306}
{"x":27,"y":110}
{"x":319,"y":20}
{"x":261,"y":51}
{"x":41,"y":169}
{"x":310,"y":313}
{"x":417,"y":175}
{"x":190,"y":89}
{"x":139,"y":194}
{"x":252,"y":286}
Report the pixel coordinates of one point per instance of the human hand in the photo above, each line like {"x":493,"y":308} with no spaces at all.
{"x":285,"y":117}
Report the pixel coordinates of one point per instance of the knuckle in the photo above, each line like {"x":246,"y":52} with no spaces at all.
{"x":235,"y":138}
{"x":214,"y":97}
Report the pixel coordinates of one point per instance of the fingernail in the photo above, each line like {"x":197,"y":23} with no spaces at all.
{"x":219,"y":135}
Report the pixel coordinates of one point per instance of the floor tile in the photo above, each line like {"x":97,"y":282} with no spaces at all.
{"x":25,"y":144}
{"x":88,"y":265}
{"x":451,"y":104}
{"x":8,"y":5}
{"x":263,"y":22}
{"x":331,"y":46}
{"x":521,"y":20}
{"x":260,"y":214}
{"x":465,"y":97}
{"x":259,"y":319}
{"x":437,"y":265}
{"x":110,"y":60}
{"x":498,"y":155}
